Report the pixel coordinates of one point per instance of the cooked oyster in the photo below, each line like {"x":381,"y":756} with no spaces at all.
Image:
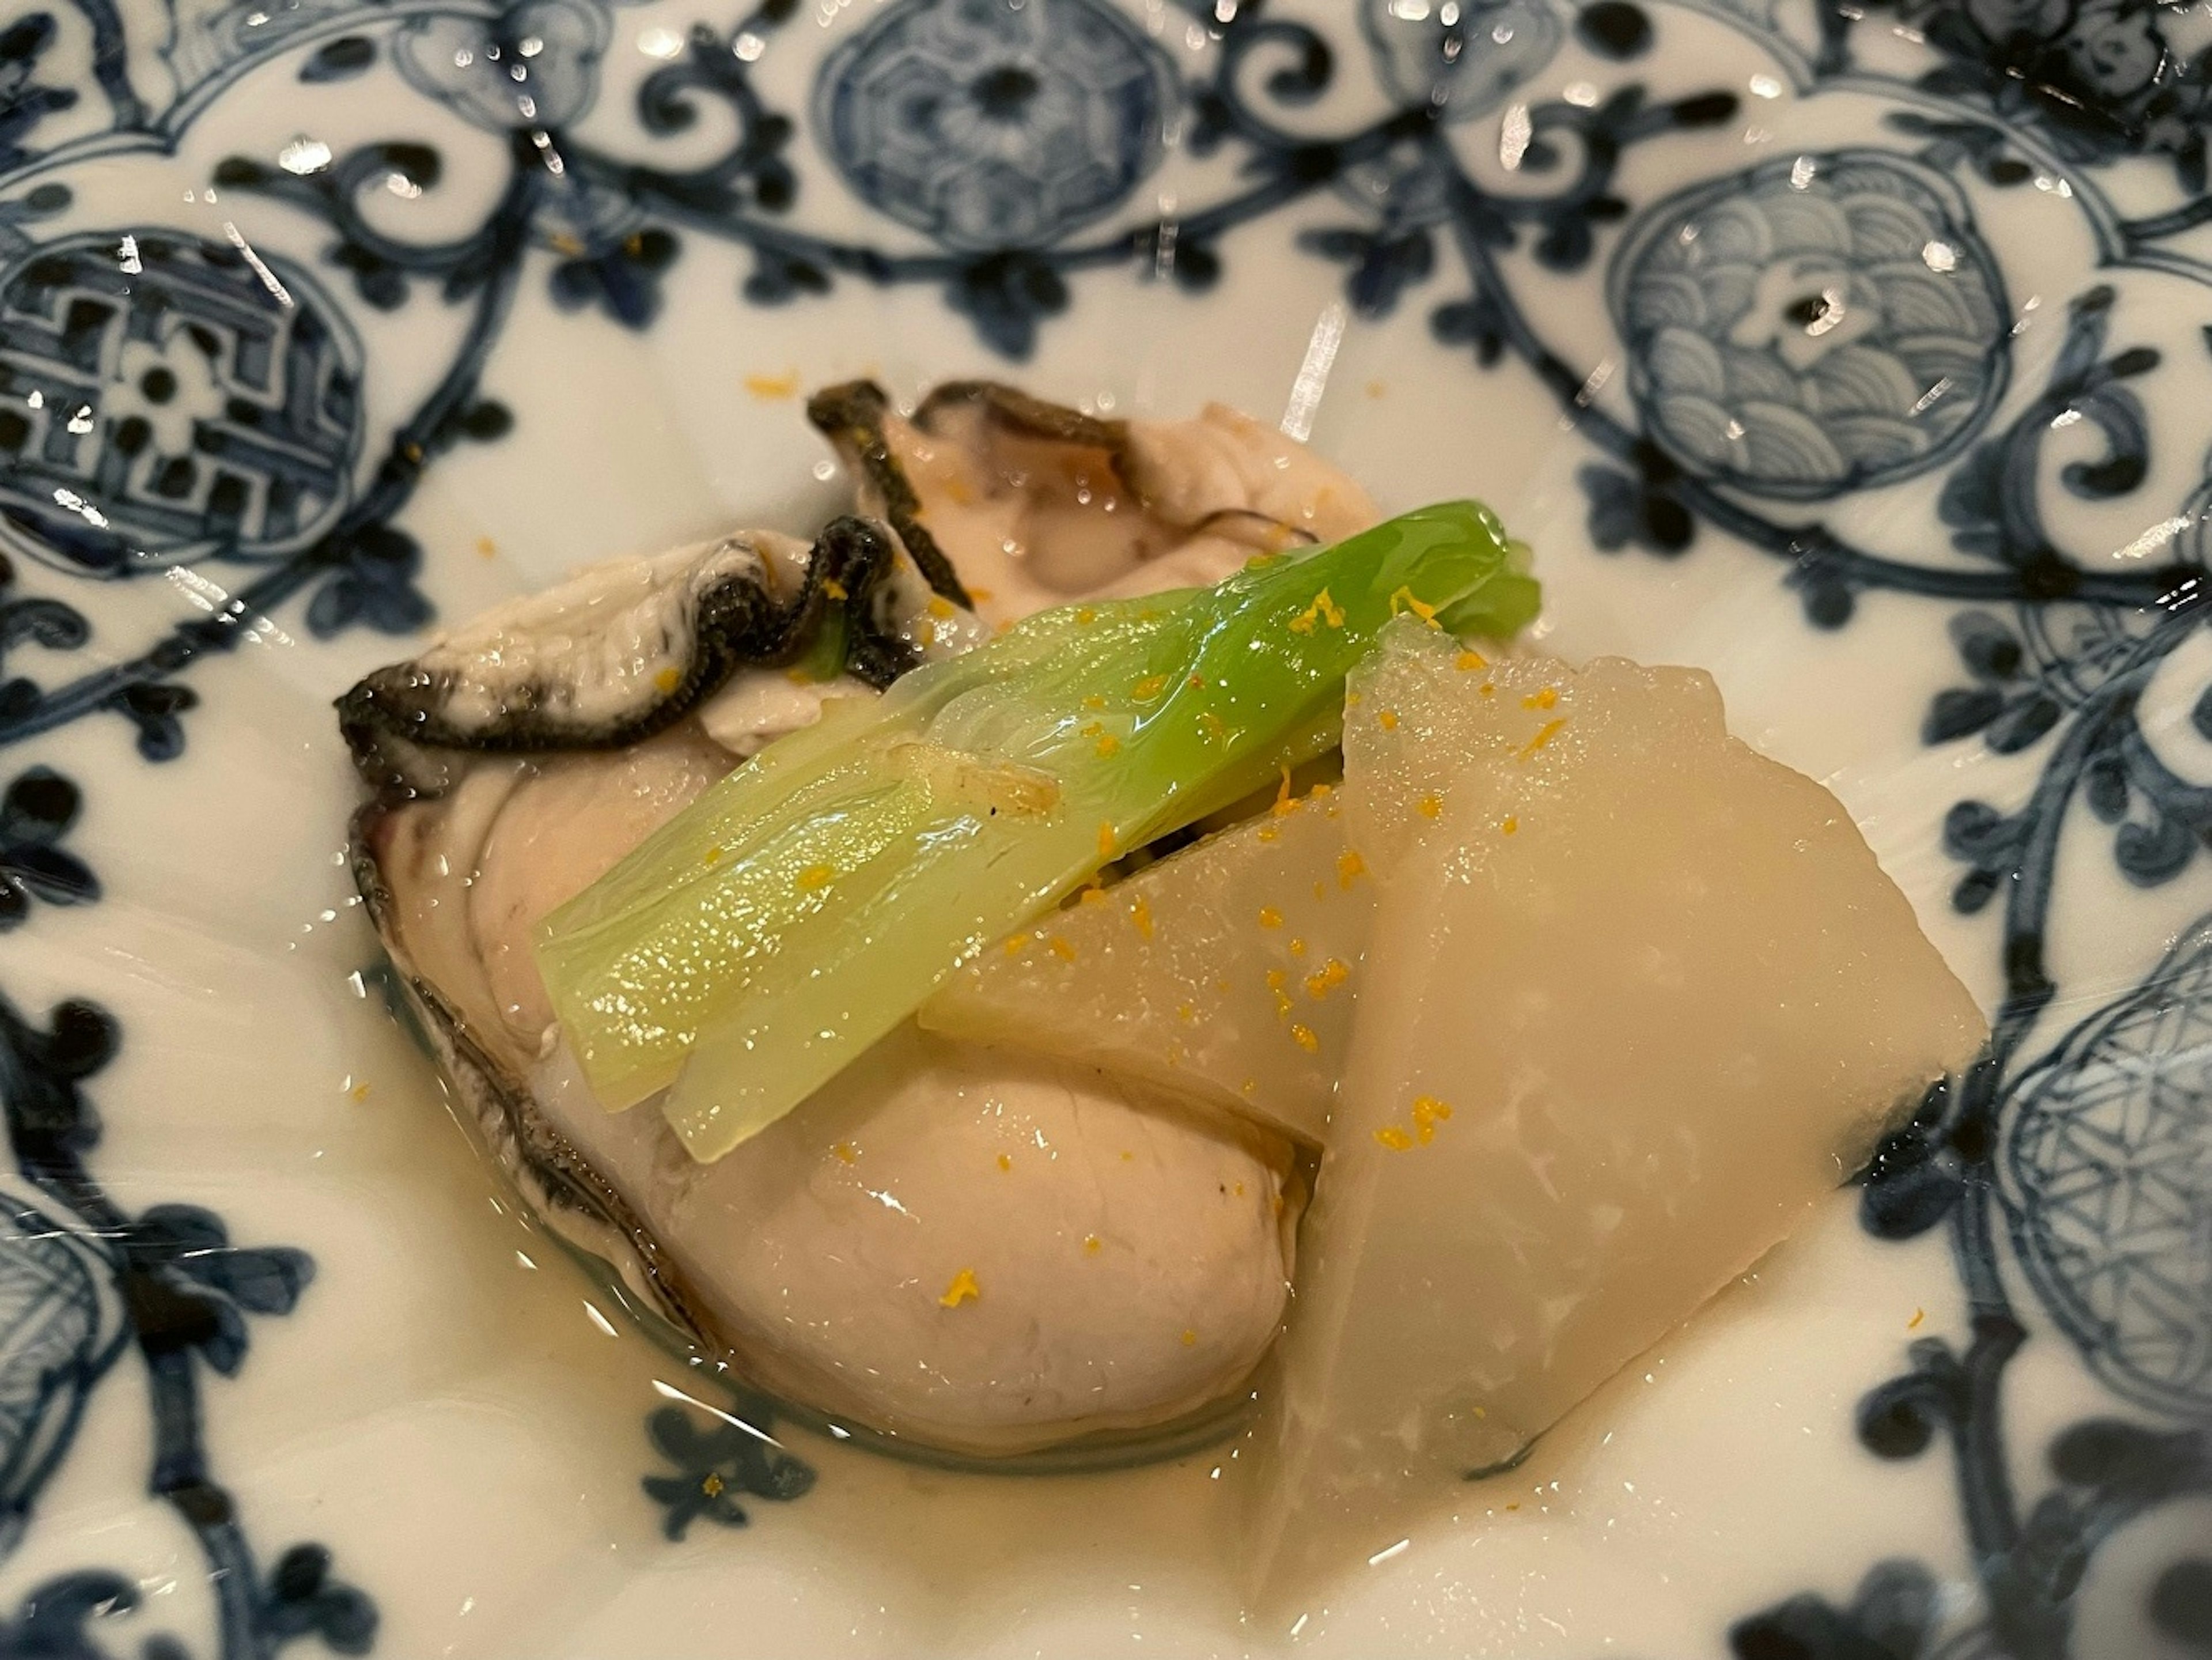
{"x":630,"y":647}
{"x":963,"y":1249}
{"x":1033,"y":504}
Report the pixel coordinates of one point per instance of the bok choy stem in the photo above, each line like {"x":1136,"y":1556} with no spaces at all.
{"x":808,"y":902}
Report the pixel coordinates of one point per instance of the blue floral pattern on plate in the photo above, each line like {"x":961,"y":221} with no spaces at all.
{"x":200,"y":417}
{"x":2108,"y":1180}
{"x":535,"y":65}
{"x":987,"y":126}
{"x":1798,"y":335}
{"x":1462,"y":60}
{"x":1814,"y":326}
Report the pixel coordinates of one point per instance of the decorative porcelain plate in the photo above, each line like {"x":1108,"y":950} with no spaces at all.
{"x":1857,"y":352}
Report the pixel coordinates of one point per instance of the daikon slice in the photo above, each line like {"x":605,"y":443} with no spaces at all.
{"x":1227,"y":971}
{"x":1636,"y":998}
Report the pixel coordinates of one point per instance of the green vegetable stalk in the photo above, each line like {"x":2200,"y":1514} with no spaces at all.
{"x":811,"y":900}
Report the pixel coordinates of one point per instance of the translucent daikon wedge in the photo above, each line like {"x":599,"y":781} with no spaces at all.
{"x":1226,"y":970}
{"x":1636,"y":998}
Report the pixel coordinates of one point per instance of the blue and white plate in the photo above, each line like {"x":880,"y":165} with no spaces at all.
{"x":1856,"y":352}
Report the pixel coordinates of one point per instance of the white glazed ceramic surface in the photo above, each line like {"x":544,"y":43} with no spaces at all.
{"x":1857,"y":356}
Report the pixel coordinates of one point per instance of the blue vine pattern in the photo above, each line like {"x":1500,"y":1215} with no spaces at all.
{"x":36,"y":812}
{"x":715,"y":1465}
{"x":1794,"y":333}
{"x":85,"y":1282}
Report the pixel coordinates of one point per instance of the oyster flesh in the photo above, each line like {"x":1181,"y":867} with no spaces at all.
{"x":958,"y":1248}
{"x":1033,"y":505}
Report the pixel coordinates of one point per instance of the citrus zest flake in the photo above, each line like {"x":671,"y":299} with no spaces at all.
{"x":1326,"y":978}
{"x":1323,"y":610}
{"x":1544,"y":734}
{"x":963,"y":1289}
{"x":1405,"y":599}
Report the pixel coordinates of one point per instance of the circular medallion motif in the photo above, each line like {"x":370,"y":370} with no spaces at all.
{"x":986,"y":126}
{"x":49,"y":1325}
{"x":1812,"y":326}
{"x":2107,"y":1161}
{"x":163,"y":398}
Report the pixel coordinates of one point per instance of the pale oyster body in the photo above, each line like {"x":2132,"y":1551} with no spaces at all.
{"x":950,"y":1247}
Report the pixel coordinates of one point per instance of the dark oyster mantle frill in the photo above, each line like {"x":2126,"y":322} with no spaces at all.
{"x":627,"y":649}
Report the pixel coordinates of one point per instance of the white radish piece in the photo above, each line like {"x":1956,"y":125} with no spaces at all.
{"x":1637,"y":1000}
{"x":1226,"y":971}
